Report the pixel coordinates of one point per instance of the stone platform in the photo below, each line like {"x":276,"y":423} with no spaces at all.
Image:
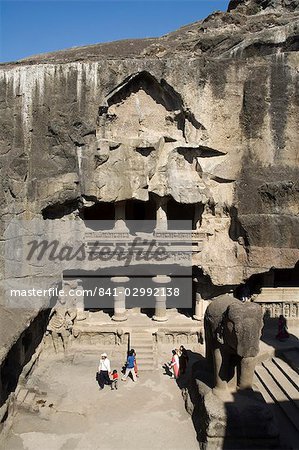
{"x":99,"y":328}
{"x":236,"y":420}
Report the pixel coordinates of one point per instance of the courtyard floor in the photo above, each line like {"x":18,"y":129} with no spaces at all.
{"x":74,"y":414}
{"x":66,"y":410}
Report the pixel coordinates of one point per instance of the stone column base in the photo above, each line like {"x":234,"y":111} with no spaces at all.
{"x":195,"y":317}
{"x":120,"y":318}
{"x":160,"y":319}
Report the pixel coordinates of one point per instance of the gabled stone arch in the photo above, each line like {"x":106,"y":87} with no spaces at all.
{"x":163,"y":97}
{"x":161,"y":92}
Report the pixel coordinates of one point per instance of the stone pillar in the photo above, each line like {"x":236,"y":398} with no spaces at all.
{"x":197,"y":216}
{"x":161,"y":214}
{"x":119,"y":298}
{"x":120,"y":216}
{"x":81,"y":314}
{"x":198,"y":310}
{"x":200,"y":306}
{"x":160,"y":306}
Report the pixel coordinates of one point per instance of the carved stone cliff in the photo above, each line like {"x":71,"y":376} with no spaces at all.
{"x":206,"y":115}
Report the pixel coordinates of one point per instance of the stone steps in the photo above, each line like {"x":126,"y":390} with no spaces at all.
{"x":145,"y":359}
{"x":142,"y":367}
{"x":291,"y":375}
{"x":144,"y":356}
{"x":143,"y":344}
{"x":26,"y":399}
{"x":283,"y":382}
{"x":291,"y":356}
{"x":276,"y":387}
{"x":289,"y":436}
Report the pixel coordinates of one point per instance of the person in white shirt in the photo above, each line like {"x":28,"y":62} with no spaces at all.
{"x":104,"y":371}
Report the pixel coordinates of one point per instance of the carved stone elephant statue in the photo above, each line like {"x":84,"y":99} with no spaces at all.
{"x":232,"y":334}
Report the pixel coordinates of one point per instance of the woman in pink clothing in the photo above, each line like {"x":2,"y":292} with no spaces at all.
{"x":175,"y":365}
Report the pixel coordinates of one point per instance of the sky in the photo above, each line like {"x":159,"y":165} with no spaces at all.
{"x":38,"y":26}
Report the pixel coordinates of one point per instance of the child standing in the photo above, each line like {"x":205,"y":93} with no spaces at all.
{"x":114,"y":380}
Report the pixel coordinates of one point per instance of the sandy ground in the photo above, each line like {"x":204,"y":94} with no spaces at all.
{"x":148,"y":414}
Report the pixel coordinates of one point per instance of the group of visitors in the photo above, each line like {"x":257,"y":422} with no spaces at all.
{"x":178,"y":363}
{"x":177,"y":367}
{"x":105,"y":376}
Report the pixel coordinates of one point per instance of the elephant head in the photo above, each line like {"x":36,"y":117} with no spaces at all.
{"x":242,"y":324}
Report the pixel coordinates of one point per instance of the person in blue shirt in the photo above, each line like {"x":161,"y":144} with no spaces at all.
{"x":130,"y":367}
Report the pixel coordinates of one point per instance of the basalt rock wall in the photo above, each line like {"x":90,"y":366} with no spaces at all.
{"x":197,"y":115}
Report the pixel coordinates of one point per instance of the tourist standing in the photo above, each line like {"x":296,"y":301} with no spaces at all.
{"x":282,"y":329}
{"x":130,"y":369}
{"x":183,"y":360}
{"x":135,"y":363}
{"x":175,"y":364}
{"x":104,"y":371}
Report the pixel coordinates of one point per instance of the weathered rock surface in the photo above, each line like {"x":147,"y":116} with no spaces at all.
{"x":207,"y":115}
{"x":238,"y":420}
{"x":256,"y":6}
{"x":230,"y":418}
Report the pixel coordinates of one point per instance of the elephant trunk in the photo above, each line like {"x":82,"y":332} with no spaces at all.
{"x":246,"y":324}
{"x":247,"y":340}
{"x":246,"y":373}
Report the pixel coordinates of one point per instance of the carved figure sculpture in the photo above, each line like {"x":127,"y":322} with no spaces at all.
{"x":232,"y":331}
{"x":61,"y":323}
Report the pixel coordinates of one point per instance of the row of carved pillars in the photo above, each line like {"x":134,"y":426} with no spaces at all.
{"x":120,"y":300}
{"x":119,"y":285}
{"x":162,"y":280}
{"x":161,"y":214}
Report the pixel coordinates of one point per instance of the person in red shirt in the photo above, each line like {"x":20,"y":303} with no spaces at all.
{"x":114,"y":381}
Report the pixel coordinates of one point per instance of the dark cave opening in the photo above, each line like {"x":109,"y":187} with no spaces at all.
{"x":274,"y":278}
{"x":144,"y":213}
{"x":178,"y":213}
{"x":138,"y":210}
{"x":203,"y":284}
{"x":59,"y":210}
{"x":287,"y":277}
{"x":100,"y":216}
